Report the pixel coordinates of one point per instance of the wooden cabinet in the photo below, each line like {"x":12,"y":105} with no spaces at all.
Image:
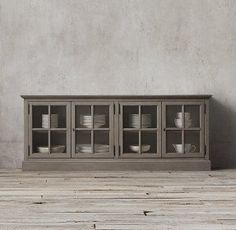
{"x":117,"y":132}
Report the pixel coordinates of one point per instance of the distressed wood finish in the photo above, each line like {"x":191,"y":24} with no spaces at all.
{"x":118,"y":200}
{"x":116,"y":159}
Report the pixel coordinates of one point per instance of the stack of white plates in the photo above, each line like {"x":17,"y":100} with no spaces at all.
{"x":87,"y":148}
{"x":87,"y":120}
{"x":135,"y":122}
{"x":99,"y":148}
{"x":84,"y":148}
{"x":45,"y":121}
{"x":54,"y":149}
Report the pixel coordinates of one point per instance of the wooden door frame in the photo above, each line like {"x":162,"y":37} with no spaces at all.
{"x":201,"y":130}
{"x":110,"y":130}
{"x":139,"y":130}
{"x":32,"y":155}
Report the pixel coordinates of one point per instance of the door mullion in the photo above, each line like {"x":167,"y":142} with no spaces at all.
{"x":68,"y":128}
{"x":140,"y":128}
{"x":92,"y":130}
{"x":73,"y":132}
{"x":183,"y":126}
{"x":49,"y":129}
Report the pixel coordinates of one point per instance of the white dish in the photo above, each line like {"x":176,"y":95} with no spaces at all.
{"x":100,"y":148}
{"x":134,"y":120}
{"x":42,"y":149}
{"x":144,"y":148}
{"x":87,"y":120}
{"x":58,"y":149}
{"x":187,"y":148}
{"x":87,"y":148}
{"x":54,"y":149}
{"x":54,"y":120}
{"x":89,"y":125}
{"x":84,"y":148}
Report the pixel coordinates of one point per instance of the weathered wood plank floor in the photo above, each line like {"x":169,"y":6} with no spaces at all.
{"x":118,"y":200}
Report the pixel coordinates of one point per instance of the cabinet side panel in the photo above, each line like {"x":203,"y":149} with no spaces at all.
{"x":207,"y":144}
{"x":26,"y":129}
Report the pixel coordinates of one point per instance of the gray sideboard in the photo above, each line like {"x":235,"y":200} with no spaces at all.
{"x":82,"y":132}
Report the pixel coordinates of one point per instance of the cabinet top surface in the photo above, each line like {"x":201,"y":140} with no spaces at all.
{"x":198,"y":96}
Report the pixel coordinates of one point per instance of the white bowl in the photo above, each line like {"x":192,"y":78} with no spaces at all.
{"x":187,"y":148}
{"x":135,"y":148}
{"x":42,"y":149}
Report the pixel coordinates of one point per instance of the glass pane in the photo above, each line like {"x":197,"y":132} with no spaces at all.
{"x":174,"y":142}
{"x":172,"y":116}
{"x":83,"y":142}
{"x":192,"y":116}
{"x":130,"y":142}
{"x":83,"y":117}
{"x":101,"y":142}
{"x":131,"y":117}
{"x":58,"y":116}
{"x":149,"y":142}
{"x":58,"y":141}
{"x":40,"y":116}
{"x":192,"y":141}
{"x":101,"y":116}
{"x":149,"y":116}
{"x":40,"y":142}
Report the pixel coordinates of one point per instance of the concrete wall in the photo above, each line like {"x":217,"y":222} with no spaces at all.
{"x":118,"y":47}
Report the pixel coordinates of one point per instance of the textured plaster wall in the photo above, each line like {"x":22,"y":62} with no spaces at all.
{"x":118,"y":47}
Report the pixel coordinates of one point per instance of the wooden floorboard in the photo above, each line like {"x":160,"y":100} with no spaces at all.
{"x":118,"y":200}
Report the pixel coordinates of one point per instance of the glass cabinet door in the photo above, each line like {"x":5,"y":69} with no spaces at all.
{"x":183,"y":131}
{"x":92,"y":130}
{"x":49,"y":130}
{"x":140,"y":134}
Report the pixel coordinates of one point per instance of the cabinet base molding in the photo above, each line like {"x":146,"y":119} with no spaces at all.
{"x":117,"y":165}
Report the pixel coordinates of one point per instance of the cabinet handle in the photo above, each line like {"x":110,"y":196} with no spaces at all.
{"x":73,"y":129}
{"x":164,"y":129}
